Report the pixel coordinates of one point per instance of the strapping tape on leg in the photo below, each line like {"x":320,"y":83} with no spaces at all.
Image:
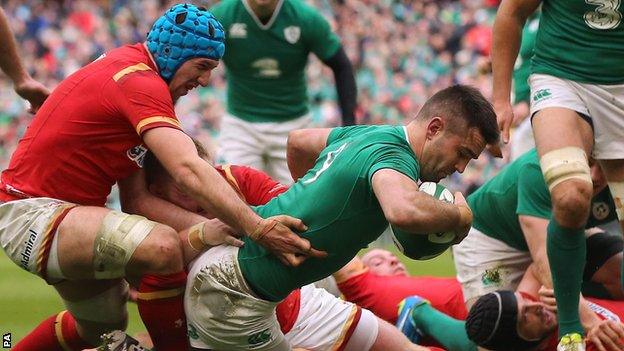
{"x":564,"y":164}
{"x":116,"y":241}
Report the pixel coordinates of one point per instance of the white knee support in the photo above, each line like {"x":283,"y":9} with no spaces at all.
{"x":116,"y":241}
{"x":564,"y":164}
{"x":107,"y":307}
{"x":617,"y":192}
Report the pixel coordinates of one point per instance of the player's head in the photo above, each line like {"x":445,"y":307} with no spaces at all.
{"x":187,"y":43}
{"x":383,"y":262}
{"x":459,"y":122}
{"x":162,"y":185}
{"x":504,"y":320}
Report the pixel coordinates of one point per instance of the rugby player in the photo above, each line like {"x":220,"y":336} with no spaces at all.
{"x":269,"y":43}
{"x":92,"y":132}
{"x":577,"y":89}
{"x":364,"y":178}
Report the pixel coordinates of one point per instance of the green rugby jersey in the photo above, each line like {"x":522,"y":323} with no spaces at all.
{"x":522,"y":67}
{"x":265,"y":63}
{"x":520,"y":189}
{"x":335,"y":199}
{"x":581,"y":40}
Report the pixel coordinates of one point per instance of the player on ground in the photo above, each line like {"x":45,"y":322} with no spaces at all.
{"x":309,"y":317}
{"x":269,"y":42}
{"x":511,"y":214}
{"x":91,"y":132}
{"x":577,"y":90}
{"x":25,"y":86}
{"x":364,"y":178}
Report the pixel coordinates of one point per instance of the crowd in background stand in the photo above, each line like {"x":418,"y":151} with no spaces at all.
{"x":402,"y":52}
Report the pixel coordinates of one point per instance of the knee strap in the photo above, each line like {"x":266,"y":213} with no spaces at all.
{"x":564,"y":164}
{"x":116,"y":241}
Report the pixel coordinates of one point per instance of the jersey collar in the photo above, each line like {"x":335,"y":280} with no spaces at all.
{"x":153,"y":64}
{"x":257,"y":20}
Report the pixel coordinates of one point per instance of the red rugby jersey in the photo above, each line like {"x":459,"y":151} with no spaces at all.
{"x":87,"y":134}
{"x":382,"y":294}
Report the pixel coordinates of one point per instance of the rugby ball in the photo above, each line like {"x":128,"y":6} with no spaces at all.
{"x":425,"y":246}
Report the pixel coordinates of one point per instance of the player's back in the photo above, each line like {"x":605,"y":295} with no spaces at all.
{"x":83,"y":138}
{"x":336,"y":201}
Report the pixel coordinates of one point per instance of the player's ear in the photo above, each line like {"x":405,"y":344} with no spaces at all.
{"x":435,"y":127}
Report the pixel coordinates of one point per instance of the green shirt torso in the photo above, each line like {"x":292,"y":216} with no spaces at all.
{"x":265,"y":63}
{"x":581,"y":40}
{"x":520,"y":189}
{"x":335,"y":200}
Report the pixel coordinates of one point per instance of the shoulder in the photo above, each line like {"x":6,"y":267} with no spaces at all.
{"x":303,"y":11}
{"x":224,"y":8}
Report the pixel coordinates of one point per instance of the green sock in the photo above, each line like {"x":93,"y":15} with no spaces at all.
{"x":446,"y":330}
{"x":566,"y":256}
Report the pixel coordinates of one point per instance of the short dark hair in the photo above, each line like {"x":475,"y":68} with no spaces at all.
{"x":464,"y":102}
{"x":154,"y":170}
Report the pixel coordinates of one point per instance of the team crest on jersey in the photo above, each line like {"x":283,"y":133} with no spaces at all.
{"x":238,"y":30}
{"x":600,"y":210}
{"x":292,"y":34}
{"x":137,"y":154}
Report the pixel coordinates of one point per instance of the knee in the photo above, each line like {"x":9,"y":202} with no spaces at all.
{"x":571,"y":201}
{"x":163,"y":251}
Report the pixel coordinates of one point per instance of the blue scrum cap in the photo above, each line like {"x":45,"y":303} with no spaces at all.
{"x":184,"y":32}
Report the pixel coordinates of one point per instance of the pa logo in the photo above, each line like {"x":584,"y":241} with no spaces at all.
{"x":6,"y":341}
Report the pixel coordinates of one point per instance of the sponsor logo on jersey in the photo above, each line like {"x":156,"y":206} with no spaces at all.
{"x":542,"y":94}
{"x":260,"y":338}
{"x":238,"y":31}
{"x":137,"y":154}
{"x":28,"y":249}
{"x":600,"y":210}
{"x":267,"y":67}
{"x":292,"y":34}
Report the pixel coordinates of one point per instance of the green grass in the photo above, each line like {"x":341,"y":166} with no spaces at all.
{"x":26,"y":300}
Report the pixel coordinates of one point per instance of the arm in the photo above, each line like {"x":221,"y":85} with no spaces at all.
{"x":303,"y":148}
{"x":10,"y":63}
{"x":177,"y":153}
{"x":510,"y":19}
{"x":534,"y":230}
{"x":414,"y":211}
{"x":351,"y":269}
{"x":345,"y":85}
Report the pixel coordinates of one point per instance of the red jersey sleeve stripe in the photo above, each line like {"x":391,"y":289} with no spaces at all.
{"x":157,"y":119}
{"x":134,"y":68}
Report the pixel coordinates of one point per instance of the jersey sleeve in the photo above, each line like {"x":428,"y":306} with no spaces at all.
{"x":533,"y":195}
{"x":257,"y":187}
{"x":392,"y":157}
{"x":144,"y":99}
{"x":322,"y":41}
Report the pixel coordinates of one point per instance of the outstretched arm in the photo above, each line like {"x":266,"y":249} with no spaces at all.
{"x":10,"y":63}
{"x":510,"y":19}
{"x":417,"y":212}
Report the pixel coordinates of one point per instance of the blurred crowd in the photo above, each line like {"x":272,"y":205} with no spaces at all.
{"x":402,"y":52}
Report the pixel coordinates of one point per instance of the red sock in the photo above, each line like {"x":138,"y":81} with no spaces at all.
{"x":161,"y":306}
{"x":57,"y":333}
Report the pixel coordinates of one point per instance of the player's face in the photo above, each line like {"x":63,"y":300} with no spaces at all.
{"x":382,"y":262}
{"x":190,"y":75}
{"x":535,"y":322}
{"x":448,"y":152}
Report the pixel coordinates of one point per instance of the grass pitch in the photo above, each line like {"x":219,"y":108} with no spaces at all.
{"x":26,"y":300}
